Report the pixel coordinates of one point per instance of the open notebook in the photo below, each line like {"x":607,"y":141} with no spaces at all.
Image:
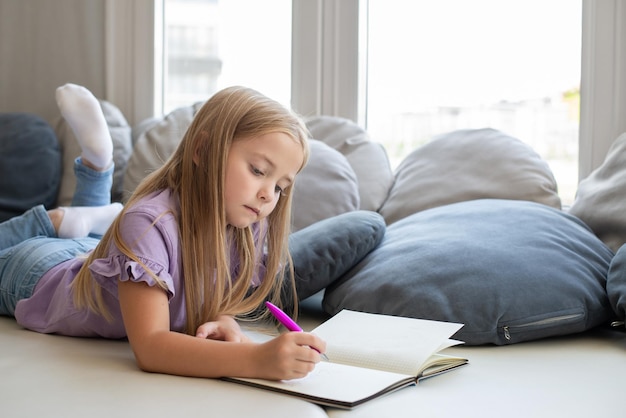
{"x":370,"y":355}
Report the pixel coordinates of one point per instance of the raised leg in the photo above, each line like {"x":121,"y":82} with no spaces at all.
{"x":91,"y":210}
{"x":83,"y":113}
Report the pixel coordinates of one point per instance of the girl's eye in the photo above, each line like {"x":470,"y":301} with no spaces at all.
{"x":256,"y":171}
{"x":279,"y":190}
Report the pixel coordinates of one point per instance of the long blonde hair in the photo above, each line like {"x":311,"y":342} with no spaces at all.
{"x":229,"y":115}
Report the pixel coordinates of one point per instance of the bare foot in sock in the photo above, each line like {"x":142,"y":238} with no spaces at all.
{"x":83,"y":113}
{"x":80,"y":221}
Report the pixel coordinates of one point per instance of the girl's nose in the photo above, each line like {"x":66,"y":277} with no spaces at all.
{"x":266,"y":193}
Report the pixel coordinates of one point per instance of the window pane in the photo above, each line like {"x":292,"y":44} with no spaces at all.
{"x":512,"y":65}
{"x":212,"y":44}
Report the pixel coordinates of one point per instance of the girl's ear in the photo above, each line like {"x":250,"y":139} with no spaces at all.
{"x":196,"y":156}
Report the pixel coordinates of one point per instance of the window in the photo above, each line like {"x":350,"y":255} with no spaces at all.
{"x":434,"y":67}
{"x":212,"y":44}
{"x":326,"y":52}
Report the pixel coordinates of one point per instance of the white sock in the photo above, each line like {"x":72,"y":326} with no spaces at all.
{"x":80,"y":221}
{"x":83,"y":113}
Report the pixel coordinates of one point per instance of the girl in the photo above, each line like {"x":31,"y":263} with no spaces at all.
{"x":204,"y":239}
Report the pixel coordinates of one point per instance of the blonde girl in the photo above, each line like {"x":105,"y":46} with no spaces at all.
{"x":202,"y":240}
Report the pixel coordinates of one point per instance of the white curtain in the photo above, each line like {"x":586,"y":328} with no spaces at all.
{"x":44,"y":44}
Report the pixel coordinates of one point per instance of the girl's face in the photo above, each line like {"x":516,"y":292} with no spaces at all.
{"x":258,"y":170}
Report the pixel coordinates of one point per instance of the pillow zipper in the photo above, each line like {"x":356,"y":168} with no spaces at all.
{"x":548,"y":321}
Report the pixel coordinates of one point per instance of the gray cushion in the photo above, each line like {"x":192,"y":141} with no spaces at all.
{"x":367,"y":158}
{"x":465,"y":165}
{"x":326,"y":187}
{"x":600,"y":201}
{"x":326,"y":250}
{"x":616,"y":283}
{"x":30,"y":164}
{"x":511,"y":271}
{"x":154,"y":145}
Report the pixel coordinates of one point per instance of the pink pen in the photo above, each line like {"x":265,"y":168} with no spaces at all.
{"x":289,"y":323}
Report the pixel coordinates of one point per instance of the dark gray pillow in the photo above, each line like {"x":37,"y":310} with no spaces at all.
{"x":30,"y":164}
{"x":616,"y":283}
{"x":326,"y":250}
{"x":509,"y":270}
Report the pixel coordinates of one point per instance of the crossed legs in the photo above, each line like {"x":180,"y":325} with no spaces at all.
{"x":91,"y":210}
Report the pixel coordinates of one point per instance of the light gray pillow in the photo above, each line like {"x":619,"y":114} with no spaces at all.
{"x":368,"y":159}
{"x":466,"y":165}
{"x":601,"y":197}
{"x":511,"y":271}
{"x":327,"y":186}
{"x":156,"y":144}
{"x":121,"y":135}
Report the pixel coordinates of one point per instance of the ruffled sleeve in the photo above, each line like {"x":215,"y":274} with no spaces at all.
{"x":151,"y":231}
{"x":106,"y":271}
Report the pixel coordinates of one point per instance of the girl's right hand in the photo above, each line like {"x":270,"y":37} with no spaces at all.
{"x":289,"y":356}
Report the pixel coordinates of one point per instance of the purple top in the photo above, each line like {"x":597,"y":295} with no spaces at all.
{"x":151,"y":229}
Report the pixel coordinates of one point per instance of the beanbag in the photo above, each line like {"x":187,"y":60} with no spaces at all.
{"x":510,"y":270}
{"x":367,"y":158}
{"x":600,"y":199}
{"x":616,"y":283}
{"x":326,"y":187}
{"x":30,"y":164}
{"x":466,"y":165}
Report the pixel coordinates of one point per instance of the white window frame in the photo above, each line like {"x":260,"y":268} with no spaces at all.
{"x":325,"y":58}
{"x":603,"y":81}
{"x":131,"y":74}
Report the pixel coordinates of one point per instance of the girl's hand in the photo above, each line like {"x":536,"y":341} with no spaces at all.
{"x":225,"y":328}
{"x":289,"y":356}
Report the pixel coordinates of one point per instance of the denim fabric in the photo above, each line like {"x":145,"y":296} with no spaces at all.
{"x":29,"y":245}
{"x":93,"y":188}
{"x":22,"y":265}
{"x":33,"y":223}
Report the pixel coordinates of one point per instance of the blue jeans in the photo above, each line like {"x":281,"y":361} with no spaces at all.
{"x":29,"y":245}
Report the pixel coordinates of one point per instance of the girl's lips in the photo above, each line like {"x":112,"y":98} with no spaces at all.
{"x":256,"y":211}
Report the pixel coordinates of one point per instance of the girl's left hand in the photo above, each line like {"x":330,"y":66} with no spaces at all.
{"x":225,"y":328}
